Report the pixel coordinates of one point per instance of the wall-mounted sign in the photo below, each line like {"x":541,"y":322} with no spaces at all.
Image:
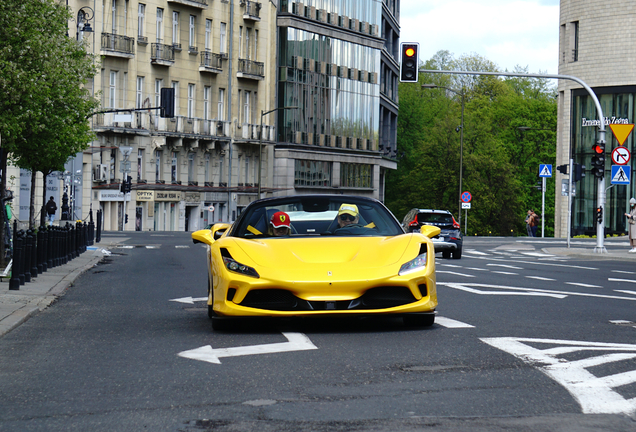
{"x":143,"y":195}
{"x":168,"y":196}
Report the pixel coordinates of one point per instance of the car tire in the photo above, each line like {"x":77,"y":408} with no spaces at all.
{"x":457,"y":254}
{"x":220,"y":324}
{"x":211,"y":313}
{"x":446,"y":255}
{"x":419,"y":320}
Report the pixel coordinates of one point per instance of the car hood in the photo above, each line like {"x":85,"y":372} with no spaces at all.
{"x":352,"y":252}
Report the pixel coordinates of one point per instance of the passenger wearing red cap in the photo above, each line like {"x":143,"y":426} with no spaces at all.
{"x":279,"y":224}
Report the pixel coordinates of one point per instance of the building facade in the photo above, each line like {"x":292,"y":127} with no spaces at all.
{"x":595,"y":46}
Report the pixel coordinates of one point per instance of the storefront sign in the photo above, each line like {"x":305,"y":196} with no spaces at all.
{"x":111,"y":195}
{"x":608,"y":121}
{"x":193,"y":197}
{"x":168,"y":196}
{"x":143,"y":195}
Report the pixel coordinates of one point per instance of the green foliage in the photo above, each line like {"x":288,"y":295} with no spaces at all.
{"x":500,"y":161}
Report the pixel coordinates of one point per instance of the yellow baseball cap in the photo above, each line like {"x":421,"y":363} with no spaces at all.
{"x":351,"y":209}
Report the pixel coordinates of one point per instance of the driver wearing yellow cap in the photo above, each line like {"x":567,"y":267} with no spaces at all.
{"x":348,"y":215}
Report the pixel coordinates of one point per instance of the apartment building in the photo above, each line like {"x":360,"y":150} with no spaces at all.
{"x":595,"y":46}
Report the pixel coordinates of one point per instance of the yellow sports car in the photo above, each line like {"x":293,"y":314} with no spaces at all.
{"x":319,"y":255}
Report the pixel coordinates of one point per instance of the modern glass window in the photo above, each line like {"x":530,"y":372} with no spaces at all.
{"x":356,"y":175}
{"x":141,"y":16}
{"x":140,"y":92}
{"x":312,"y":173}
{"x":191,"y":94}
{"x":222,"y":36}
{"x":208,"y":35}
{"x":159,"y":25}
{"x":175,"y":27}
{"x":192,"y":32}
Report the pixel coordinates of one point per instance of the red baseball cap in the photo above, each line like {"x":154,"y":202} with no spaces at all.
{"x":280,"y":219}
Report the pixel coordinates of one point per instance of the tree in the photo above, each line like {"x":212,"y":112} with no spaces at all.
{"x":45,"y":106}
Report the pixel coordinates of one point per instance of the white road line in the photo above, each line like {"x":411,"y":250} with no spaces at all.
{"x":475,"y":268}
{"x":528,"y":292}
{"x":453,"y":273}
{"x":152,"y":247}
{"x":476,"y":252}
{"x":621,"y":280}
{"x":621,"y":322}
{"x":182,"y":247}
{"x":505,"y":266}
{"x":626,"y":291}
{"x":622,"y":271}
{"x":538,"y":263}
{"x":537,"y":254}
{"x":540,"y":278}
{"x":506,"y":273}
{"x":450,"y":265}
{"x":451,"y":323}
{"x":583,"y":285}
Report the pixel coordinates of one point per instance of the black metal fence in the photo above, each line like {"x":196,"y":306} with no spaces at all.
{"x":36,"y":251}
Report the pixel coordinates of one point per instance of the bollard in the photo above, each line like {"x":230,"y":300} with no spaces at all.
{"x":14,"y":282}
{"x":45,"y":248}
{"x":91,"y":229}
{"x":27,"y":256}
{"x":98,"y":236}
{"x":34,"y":254}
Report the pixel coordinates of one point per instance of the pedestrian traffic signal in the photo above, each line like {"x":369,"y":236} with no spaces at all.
{"x":579,"y":172}
{"x":410,"y":61}
{"x":563,"y":169}
{"x":539,"y":185}
{"x":167,"y":103}
{"x":599,"y":215}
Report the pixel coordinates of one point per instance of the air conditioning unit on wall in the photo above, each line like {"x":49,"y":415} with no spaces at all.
{"x":100,"y":173}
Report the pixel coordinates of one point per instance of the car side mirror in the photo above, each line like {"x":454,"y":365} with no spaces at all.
{"x":218,"y":230}
{"x":430,"y":231}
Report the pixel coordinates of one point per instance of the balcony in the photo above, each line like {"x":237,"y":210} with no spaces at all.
{"x":211,"y":62}
{"x":161,"y":54}
{"x":200,"y":4}
{"x":117,"y":46}
{"x":252,"y":10}
{"x":249,"y":69}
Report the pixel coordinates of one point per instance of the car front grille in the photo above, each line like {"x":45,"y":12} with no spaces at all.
{"x":375,"y":298}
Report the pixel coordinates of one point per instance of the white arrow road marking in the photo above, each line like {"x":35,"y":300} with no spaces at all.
{"x":295,"y":342}
{"x":527,"y":291}
{"x":595,"y":395}
{"x":189,"y":300}
{"x":451,"y":323}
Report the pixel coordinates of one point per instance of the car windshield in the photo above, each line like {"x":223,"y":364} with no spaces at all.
{"x":318,"y":216}
{"x":435,"y":218}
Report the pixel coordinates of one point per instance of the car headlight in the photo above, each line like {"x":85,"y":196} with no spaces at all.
{"x":237,"y":267}
{"x":415,"y":264}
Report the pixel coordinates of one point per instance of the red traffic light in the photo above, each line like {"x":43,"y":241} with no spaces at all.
{"x":410,"y":52}
{"x":598,"y":149}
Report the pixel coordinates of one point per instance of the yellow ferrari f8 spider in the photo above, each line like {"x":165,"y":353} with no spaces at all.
{"x":319,"y":255}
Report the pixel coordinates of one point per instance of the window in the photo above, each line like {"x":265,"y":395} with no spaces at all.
{"x":159,"y":25}
{"x":575,"y":41}
{"x":175,"y":27}
{"x":256,"y":158}
{"x":175,"y":86}
{"x":355,"y":175}
{"x":221,"y":168}
{"x":192,"y":33}
{"x":219,"y":114}
{"x":238,"y":169}
{"x":222,"y":42}
{"x":255,"y":45}
{"x":140,"y":164}
{"x":246,"y":107}
{"x":240,"y":47}
{"x":113,"y":161}
{"x":247,"y":169}
{"x":140,"y":92}
{"x":207,"y":168}
{"x":248,"y":51}
{"x":158,"y":85}
{"x":191,"y":100}
{"x":191,"y":167}
{"x":112,"y":90}
{"x":141,"y":14}
{"x":114,"y":17}
{"x":206,"y":103}
{"x":158,"y":155}
{"x":173,"y":166}
{"x":312,"y":173}
{"x":208,"y":35}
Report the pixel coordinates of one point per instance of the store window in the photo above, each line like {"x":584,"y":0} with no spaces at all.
{"x":312,"y":173}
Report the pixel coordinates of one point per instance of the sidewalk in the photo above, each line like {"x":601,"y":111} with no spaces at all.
{"x":17,"y":306}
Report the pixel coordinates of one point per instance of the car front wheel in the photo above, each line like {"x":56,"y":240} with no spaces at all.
{"x":457,"y":254}
{"x":419,"y":320}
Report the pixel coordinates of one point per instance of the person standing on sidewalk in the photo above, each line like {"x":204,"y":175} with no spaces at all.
{"x":631,"y":219}
{"x":51,"y":208}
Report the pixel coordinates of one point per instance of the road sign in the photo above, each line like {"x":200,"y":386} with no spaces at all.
{"x":621,"y":174}
{"x":621,"y":131}
{"x":466,"y":197}
{"x":124,"y":167}
{"x":545,"y":170}
{"x":466,"y":206}
{"x":621,"y":155}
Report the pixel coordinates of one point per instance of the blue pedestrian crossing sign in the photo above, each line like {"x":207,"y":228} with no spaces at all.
{"x":545,"y":170}
{"x":621,"y":174}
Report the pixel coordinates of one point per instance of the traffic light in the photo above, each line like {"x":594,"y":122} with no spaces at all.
{"x":167,"y":103}
{"x":126,"y":219}
{"x":598,"y":160}
{"x":563,"y":169}
{"x":599,"y":215}
{"x":539,"y":185}
{"x":410,"y":61}
{"x":122,"y":187}
{"x":579,"y":172}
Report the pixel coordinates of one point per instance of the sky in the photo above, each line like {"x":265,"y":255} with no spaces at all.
{"x":507,"y":32}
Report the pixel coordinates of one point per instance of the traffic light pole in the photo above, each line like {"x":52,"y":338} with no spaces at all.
{"x":600,"y":226}
{"x":570,"y":183}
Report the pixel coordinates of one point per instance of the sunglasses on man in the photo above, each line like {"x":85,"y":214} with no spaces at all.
{"x":347,"y":217}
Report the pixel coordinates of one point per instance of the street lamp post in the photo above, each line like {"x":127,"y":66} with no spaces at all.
{"x":84,"y":15}
{"x":461,"y":143}
{"x":260,"y":144}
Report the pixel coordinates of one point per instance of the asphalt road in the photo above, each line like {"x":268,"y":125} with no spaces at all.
{"x":523,"y":341}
